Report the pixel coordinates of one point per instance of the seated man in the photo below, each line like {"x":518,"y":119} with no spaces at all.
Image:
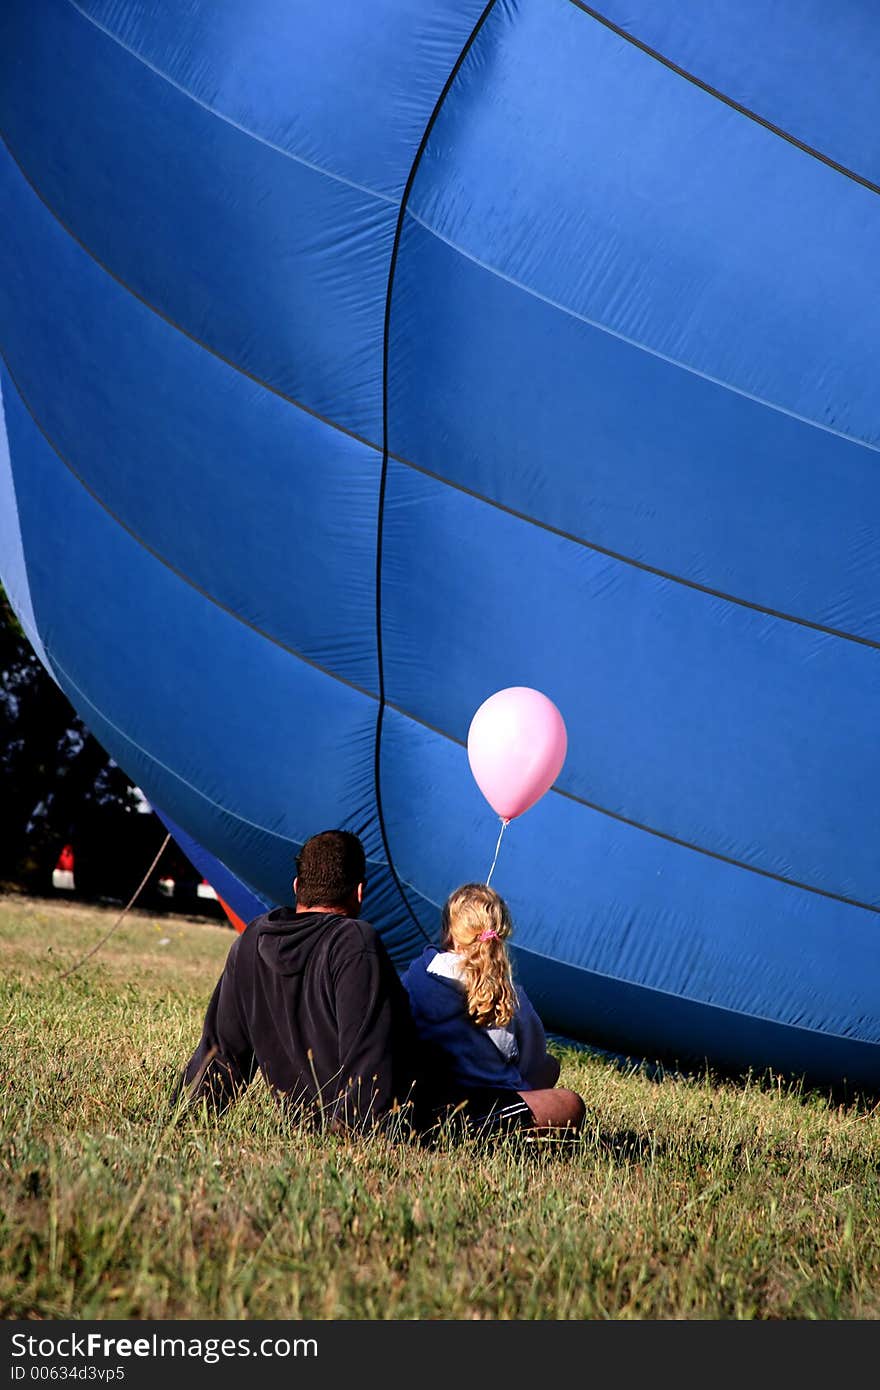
{"x":310,"y":997}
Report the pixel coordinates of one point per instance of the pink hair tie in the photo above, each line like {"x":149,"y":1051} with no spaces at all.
{"x":489,"y":934}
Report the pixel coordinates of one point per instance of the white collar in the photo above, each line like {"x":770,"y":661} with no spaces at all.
{"x":448,"y":965}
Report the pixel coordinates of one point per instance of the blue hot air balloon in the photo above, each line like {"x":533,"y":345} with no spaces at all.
{"x":361,"y":360}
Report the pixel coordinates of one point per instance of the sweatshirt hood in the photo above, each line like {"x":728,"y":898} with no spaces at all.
{"x":435,"y":997}
{"x":287,"y":938}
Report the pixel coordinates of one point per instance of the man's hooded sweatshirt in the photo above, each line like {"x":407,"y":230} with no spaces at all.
{"x":313,"y":1000}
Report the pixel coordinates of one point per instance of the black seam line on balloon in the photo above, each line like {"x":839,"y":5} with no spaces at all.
{"x":728,"y":101}
{"x":390,"y":704}
{"x":172,"y":323}
{"x":722,"y":858}
{"x":380,"y":517}
{"x":639,"y":564}
{"x":427,"y":472}
{"x":688,"y":999}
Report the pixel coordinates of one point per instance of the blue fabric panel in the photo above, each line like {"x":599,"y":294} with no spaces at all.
{"x":251,"y":498}
{"x":248,"y":748}
{"x":500,"y":393}
{"x":348,"y":87}
{"x":744,"y":734}
{"x":587,"y":891}
{"x":641,"y":1021}
{"x":272,"y":264}
{"x":13,"y":569}
{"x":594,"y":314}
{"x":804,"y":65}
{"x":245,"y":902}
{"x":101,"y":594}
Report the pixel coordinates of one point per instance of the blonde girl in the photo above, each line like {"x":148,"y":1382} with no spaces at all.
{"x":483,"y":1039}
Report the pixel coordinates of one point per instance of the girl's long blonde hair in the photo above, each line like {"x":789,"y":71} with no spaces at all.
{"x":476,"y":924}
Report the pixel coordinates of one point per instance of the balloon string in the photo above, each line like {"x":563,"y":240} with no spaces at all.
{"x":504,"y":825}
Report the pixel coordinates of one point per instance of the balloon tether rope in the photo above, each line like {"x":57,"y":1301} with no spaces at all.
{"x":129,"y":905}
{"x":504,"y":825}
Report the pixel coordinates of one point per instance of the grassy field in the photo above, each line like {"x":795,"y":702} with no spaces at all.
{"x":683,"y":1199}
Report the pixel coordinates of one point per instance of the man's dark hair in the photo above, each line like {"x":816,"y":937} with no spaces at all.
{"x":329,"y":868}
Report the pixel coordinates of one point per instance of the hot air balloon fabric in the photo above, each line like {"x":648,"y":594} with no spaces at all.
{"x":362,"y":360}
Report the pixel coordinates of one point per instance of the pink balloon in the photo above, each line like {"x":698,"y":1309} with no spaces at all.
{"x":516,"y":747}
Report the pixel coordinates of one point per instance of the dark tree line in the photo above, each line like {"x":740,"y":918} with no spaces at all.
{"x":59,"y":787}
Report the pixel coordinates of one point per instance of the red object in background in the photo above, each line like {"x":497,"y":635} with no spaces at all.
{"x":233,"y":916}
{"x":62,"y":874}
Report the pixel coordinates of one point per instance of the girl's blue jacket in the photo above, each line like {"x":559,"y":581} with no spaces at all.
{"x":439,"y":1008}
